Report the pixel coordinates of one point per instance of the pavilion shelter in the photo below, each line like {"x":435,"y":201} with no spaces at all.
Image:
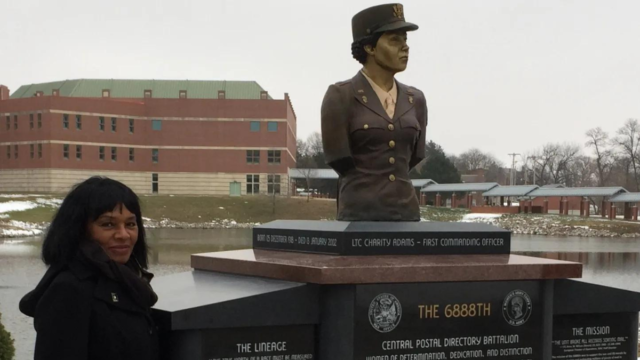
{"x":496,"y":197}
{"x":471,"y":194}
{"x":572,"y":200}
{"x":629,"y":203}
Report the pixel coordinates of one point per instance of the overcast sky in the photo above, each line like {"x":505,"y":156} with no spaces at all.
{"x":501,"y":75}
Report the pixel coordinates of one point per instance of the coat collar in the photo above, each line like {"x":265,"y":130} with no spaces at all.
{"x":365,"y":95}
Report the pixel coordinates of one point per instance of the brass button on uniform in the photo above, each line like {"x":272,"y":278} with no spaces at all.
{"x":391,"y":127}
{"x":392,"y":177}
{"x":392,"y":144}
{"x":392,"y":160}
{"x":366,"y":126}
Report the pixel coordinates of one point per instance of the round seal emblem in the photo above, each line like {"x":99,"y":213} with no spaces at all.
{"x":385,"y":312}
{"x":517,"y":307}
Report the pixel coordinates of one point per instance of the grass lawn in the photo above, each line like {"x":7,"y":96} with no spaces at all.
{"x":243,"y":209}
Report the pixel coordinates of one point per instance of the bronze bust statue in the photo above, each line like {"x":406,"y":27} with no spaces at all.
{"x":373,"y":127}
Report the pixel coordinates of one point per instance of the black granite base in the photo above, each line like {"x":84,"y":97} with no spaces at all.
{"x":381,"y":238}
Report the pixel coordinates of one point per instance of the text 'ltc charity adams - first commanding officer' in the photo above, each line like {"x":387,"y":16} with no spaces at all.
{"x":373,"y":127}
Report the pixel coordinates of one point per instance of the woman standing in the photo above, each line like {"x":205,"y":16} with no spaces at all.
{"x":94,"y":301}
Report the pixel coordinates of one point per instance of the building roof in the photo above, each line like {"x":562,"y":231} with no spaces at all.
{"x":330,"y":174}
{"x":300,"y":173}
{"x":552,"y":186}
{"x":163,"y":89}
{"x":517,"y":190}
{"x":584,"y":191}
{"x":626,"y":197}
{"x":422,"y":182}
{"x":460,"y":187}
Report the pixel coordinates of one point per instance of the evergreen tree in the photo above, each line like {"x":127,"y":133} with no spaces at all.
{"x":437,"y":166}
{"x":7,"y":350}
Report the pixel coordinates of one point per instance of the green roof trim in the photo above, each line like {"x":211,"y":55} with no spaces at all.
{"x":160,"y":89}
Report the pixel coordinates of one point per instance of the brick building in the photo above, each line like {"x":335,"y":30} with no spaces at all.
{"x":171,"y":137}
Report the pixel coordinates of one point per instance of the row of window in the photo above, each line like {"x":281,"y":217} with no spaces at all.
{"x":32,"y":151}
{"x":155,"y":153}
{"x":156,"y":125}
{"x":253,"y":184}
{"x":272,"y":126}
{"x":273,"y":156}
{"x":32,"y":124}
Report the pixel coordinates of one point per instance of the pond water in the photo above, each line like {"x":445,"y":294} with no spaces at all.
{"x":607,"y":261}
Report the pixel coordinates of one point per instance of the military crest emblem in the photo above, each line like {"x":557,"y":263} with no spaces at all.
{"x":398,"y":11}
{"x":385,"y":313}
{"x":517,"y":307}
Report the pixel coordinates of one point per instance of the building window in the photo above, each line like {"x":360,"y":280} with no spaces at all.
{"x":114,"y":154}
{"x":78,"y":152}
{"x":78,"y":122}
{"x":255,"y":126}
{"x":15,"y":151}
{"x":273,"y":157}
{"x":221,"y":94}
{"x":154,"y":155}
{"x":30,"y":121}
{"x":55,"y":92}
{"x":154,"y":183}
{"x":183,"y":94}
{"x":15,"y":122}
{"x":39,"y":120}
{"x":113,"y":124}
{"x":273,"y":184}
{"x":39,"y":151}
{"x":131,"y":155}
{"x":101,"y":123}
{"x":32,"y":151}
{"x":272,"y":126}
{"x":65,"y":121}
{"x":65,"y":151}
{"x":8,"y":151}
{"x":253,"y":184}
{"x":101,"y":152}
{"x":264,"y":95}
{"x":156,"y":125}
{"x":106,"y":93}
{"x":130,"y":126}
{"x":8,"y":122}
{"x":39,"y":93}
{"x":147,"y":94}
{"x":253,"y":156}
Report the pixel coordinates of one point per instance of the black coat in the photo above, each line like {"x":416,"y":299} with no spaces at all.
{"x":81,"y":314}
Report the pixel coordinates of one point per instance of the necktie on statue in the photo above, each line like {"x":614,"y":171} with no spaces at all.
{"x":389,"y":106}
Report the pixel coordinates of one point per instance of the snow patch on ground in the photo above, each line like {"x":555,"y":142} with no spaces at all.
{"x":19,"y":233}
{"x":49,"y":202}
{"x":480,"y":217}
{"x":12,"y":196}
{"x":17,"y":206}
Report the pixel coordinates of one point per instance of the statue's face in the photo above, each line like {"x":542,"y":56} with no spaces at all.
{"x":391,"y":52}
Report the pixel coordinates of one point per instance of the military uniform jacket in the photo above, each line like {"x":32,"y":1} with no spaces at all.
{"x":373,"y":153}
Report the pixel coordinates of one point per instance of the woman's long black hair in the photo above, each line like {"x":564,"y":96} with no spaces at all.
{"x":84,"y":204}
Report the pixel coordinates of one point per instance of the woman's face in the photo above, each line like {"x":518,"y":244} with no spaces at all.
{"x":116,"y":231}
{"x":391,"y":52}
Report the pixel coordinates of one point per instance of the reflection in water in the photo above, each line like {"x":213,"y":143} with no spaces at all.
{"x":610,"y":262}
{"x":615,"y":269}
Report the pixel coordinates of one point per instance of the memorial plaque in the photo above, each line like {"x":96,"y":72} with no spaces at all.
{"x":492,"y":320}
{"x":259,"y":343}
{"x":595,"y":336}
{"x":381,"y":238}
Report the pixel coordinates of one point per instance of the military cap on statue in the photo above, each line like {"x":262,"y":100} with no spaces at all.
{"x":378,"y":19}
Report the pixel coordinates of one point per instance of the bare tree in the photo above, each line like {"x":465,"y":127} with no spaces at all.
{"x":628,"y":141}
{"x":599,"y":141}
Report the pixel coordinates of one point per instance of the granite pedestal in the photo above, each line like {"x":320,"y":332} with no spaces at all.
{"x":388,"y":296}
